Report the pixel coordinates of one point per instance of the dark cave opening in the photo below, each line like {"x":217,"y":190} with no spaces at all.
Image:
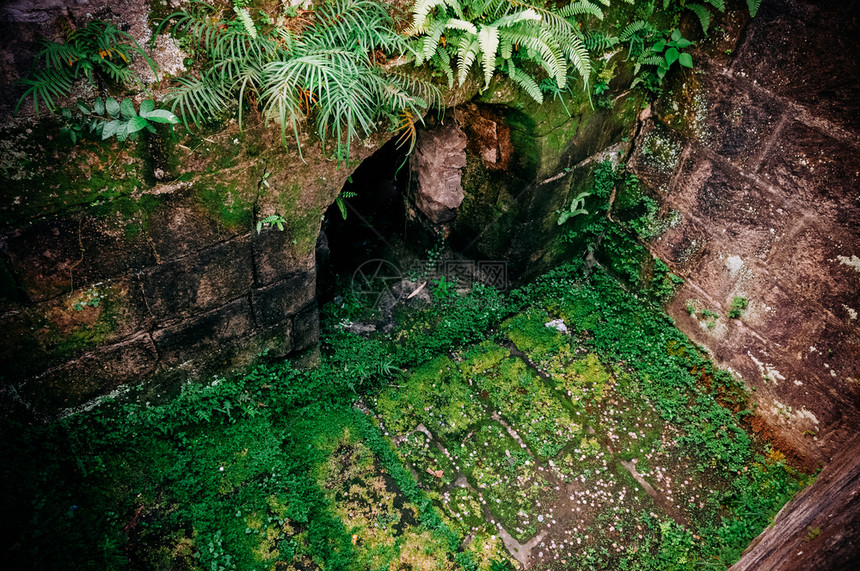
{"x":368,"y":222}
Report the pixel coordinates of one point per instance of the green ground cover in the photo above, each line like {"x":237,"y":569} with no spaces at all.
{"x":471,"y":436}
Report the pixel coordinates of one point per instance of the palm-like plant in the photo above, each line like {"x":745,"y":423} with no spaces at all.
{"x":502,"y":34}
{"x":99,"y":47}
{"x":328,"y":70}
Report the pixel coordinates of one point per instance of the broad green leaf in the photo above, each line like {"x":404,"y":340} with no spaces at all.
{"x":122,"y":131}
{"x":83,"y":107}
{"x":99,"y":106}
{"x":686,"y":60}
{"x":682,"y":43}
{"x":150,"y":128}
{"x":659,"y":47}
{"x":112,"y":107}
{"x":110,"y":128}
{"x":146,"y":106}
{"x":671,"y":56}
{"x":162,"y":116}
{"x":135,"y":124}
{"x":676,"y":35}
{"x":127,"y":109}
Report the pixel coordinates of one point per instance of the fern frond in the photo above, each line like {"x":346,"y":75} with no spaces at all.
{"x":488,"y":38}
{"x":198,"y":99}
{"x":423,"y":7}
{"x":200,"y":28}
{"x":234,"y":50}
{"x":408,"y":132}
{"x":556,"y":24}
{"x":545,"y":44}
{"x":46,"y":85}
{"x":598,"y":42}
{"x":281,"y":99}
{"x":286,"y":39}
{"x":528,"y":15}
{"x":581,"y":8}
{"x":429,"y":42}
{"x":119,"y":74}
{"x":753,"y":6}
{"x":651,"y":60}
{"x":720,"y":5}
{"x":350,"y":23}
{"x":634,"y":27}
{"x":506,"y":47}
{"x":105,"y":39}
{"x":428,"y":92}
{"x":443,"y":61}
{"x":249,"y":79}
{"x":526,"y":82}
{"x":58,"y":56}
{"x":247,"y":21}
{"x":349,"y":106}
{"x":703,"y":13}
{"x":467,"y":51}
{"x":576,"y":52}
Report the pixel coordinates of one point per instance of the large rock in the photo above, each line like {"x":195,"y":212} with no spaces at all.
{"x":437,"y":161}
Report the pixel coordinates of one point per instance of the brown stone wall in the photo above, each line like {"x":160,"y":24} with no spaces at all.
{"x":757,"y":163}
{"x":140,"y":262}
{"x":89,"y":309}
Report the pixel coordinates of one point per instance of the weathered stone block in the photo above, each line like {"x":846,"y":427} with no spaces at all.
{"x":487,"y":135}
{"x":657,"y":156}
{"x":739,"y":123}
{"x":817,"y":173}
{"x":276,"y":258}
{"x":785,"y":55}
{"x":273,"y":343}
{"x":729,"y":117}
{"x":209,"y":342}
{"x":831,"y":507}
{"x":179,"y":226}
{"x":71,"y":252}
{"x":682,"y":245}
{"x":306,"y":328}
{"x":274,"y":304}
{"x":92,"y":375}
{"x":437,"y":163}
{"x":41,"y":336}
{"x":722,"y":197}
{"x":821,"y":266}
{"x":199,"y":282}
{"x":489,"y":210}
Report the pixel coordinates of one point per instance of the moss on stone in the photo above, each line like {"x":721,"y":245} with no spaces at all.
{"x":302,"y":221}
{"x":226,"y":203}
{"x":77,"y":322}
{"x":46,"y":175}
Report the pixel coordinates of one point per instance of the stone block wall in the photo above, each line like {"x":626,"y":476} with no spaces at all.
{"x":756,"y":164}
{"x":141,"y":262}
{"x":89,"y":310}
